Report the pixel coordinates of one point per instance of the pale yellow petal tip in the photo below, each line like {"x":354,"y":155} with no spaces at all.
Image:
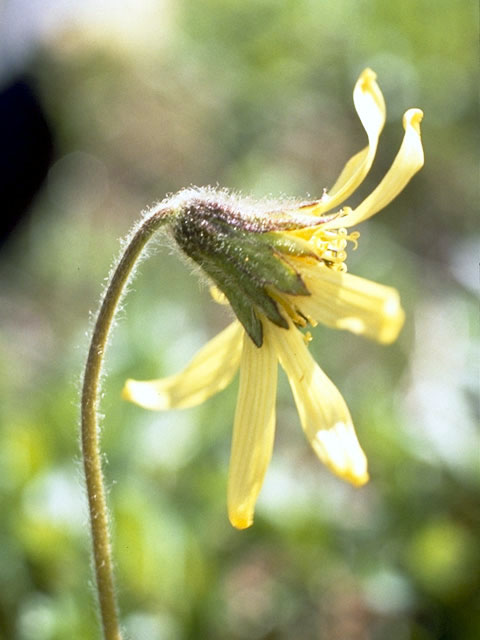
{"x":385,"y":331}
{"x":240,"y":520}
{"x":393,"y":321}
{"x":338,"y":448}
{"x":367,"y":77}
{"x":145,"y":394}
{"x":412,"y":118}
{"x":356,"y":477}
{"x":127,"y":390}
{"x":358,"y":480}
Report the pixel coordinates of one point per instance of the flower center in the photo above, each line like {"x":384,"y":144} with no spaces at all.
{"x":328,"y":245}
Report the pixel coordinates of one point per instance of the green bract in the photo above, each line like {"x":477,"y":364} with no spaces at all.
{"x":244,"y":256}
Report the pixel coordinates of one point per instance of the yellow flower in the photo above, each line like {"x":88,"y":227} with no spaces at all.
{"x":282,"y":269}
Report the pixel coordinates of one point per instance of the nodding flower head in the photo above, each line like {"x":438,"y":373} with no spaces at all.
{"x":282,"y":266}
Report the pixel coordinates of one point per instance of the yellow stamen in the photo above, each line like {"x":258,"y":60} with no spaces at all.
{"x":287,"y":306}
{"x":307,"y":337}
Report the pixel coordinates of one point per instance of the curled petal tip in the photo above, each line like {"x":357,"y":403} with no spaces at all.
{"x":413,"y":117}
{"x":368,"y":75}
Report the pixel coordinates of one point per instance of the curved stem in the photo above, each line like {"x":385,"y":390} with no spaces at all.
{"x":89,"y":424}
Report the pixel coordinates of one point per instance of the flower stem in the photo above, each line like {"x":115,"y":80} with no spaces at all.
{"x":97,"y":505}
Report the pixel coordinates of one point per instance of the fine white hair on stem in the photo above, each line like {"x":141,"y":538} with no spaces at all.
{"x":119,"y":277}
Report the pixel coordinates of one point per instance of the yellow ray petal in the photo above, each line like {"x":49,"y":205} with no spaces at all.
{"x":323,"y":413}
{"x":218,"y":296}
{"x":370,"y":107}
{"x":210,"y":371}
{"x":253,"y":431}
{"x":408,"y":161}
{"x":344,"y":301}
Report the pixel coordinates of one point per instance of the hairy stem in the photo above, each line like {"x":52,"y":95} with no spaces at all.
{"x":97,"y":505}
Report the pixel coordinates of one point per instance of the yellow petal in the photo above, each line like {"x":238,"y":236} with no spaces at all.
{"x":210,"y":371}
{"x":218,"y":296}
{"x":344,"y":301}
{"x":370,"y":107}
{"x":323,"y":412}
{"x":408,"y":161}
{"x":253,"y":431}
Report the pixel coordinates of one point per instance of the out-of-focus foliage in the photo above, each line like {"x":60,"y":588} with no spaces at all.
{"x":253,"y":95}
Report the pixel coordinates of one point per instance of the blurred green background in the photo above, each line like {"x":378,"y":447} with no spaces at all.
{"x":144,"y":99}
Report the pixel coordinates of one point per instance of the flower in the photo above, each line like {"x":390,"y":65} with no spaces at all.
{"x":282,"y":268}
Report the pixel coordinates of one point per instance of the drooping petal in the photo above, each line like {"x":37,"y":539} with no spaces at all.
{"x":323,"y":413}
{"x":408,"y":161}
{"x":253,"y":430}
{"x":344,"y":301}
{"x":210,"y":371}
{"x":370,"y":107}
